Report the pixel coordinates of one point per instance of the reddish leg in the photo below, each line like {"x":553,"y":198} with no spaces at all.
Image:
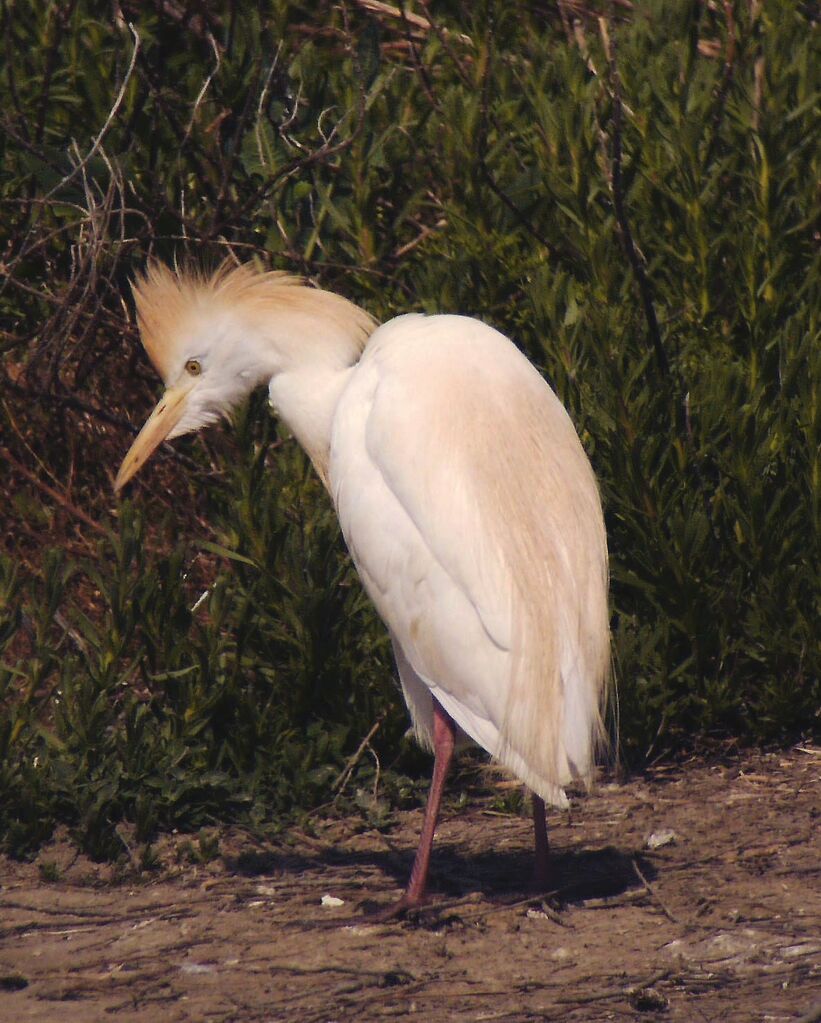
{"x":444,"y":737}
{"x":541,"y":869}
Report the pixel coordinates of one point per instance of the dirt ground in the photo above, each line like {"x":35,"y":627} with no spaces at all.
{"x":688,"y":894}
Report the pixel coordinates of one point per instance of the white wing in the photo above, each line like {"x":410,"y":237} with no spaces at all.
{"x":426,"y":457}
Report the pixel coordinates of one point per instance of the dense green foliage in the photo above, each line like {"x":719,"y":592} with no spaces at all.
{"x":634,"y":202}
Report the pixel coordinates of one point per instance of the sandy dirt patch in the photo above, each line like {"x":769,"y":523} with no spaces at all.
{"x":720,"y":921}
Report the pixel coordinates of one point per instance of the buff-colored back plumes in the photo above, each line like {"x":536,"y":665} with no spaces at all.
{"x":550,"y":527}
{"x":539,"y":513}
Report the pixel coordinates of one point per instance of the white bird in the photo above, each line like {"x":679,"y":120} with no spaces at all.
{"x":464,"y":495}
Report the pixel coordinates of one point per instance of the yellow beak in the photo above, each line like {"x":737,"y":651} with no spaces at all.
{"x":157,"y":427}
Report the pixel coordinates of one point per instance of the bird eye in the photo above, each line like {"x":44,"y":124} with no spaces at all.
{"x":193,"y":367}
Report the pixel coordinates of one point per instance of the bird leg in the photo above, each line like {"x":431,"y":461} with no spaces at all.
{"x":444,"y":740}
{"x":541,"y":868}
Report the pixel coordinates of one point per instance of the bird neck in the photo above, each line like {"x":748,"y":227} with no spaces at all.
{"x":306,"y":398}
{"x":309,"y":341}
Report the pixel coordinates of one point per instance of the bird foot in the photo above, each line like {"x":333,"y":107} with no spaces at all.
{"x":404,"y":907}
{"x":397,"y":910}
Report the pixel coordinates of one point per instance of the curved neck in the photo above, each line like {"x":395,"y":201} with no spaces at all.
{"x":306,"y":397}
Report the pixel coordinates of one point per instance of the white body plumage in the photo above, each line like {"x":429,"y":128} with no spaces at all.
{"x":471,"y":512}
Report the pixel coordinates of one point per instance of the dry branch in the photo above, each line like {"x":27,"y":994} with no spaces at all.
{"x":49,"y":491}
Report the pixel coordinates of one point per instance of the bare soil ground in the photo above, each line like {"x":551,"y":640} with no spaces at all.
{"x":721,"y":921}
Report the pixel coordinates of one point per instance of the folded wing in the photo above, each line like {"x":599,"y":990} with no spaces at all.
{"x":472,"y":514}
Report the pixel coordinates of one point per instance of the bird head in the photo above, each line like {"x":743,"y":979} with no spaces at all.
{"x":213,"y":339}
{"x":187,"y":329}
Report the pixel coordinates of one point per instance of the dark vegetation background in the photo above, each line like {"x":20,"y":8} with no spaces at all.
{"x":630,"y":190}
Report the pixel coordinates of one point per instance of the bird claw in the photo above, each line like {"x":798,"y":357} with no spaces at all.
{"x":405,"y":907}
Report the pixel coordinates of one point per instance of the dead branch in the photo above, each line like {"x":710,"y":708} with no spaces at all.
{"x":97,"y":142}
{"x":653,"y":893}
{"x":353,"y":760}
{"x":422,"y":25}
{"x":55,"y":495}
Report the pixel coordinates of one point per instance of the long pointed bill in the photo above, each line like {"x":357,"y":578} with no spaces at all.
{"x":157,"y":427}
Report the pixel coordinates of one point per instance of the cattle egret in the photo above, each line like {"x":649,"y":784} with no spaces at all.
{"x":464,"y":495}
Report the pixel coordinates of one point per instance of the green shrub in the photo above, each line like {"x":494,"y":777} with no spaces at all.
{"x":635,"y":206}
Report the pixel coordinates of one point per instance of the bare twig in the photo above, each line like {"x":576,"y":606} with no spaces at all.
{"x":651,"y":890}
{"x":22,"y":440}
{"x":423,"y":25}
{"x":79,"y":168}
{"x":445,"y":39}
{"x":261,"y":104}
{"x":55,"y":495}
{"x":108,"y":121}
{"x":354,"y":759}
{"x":204,"y":89}
{"x":583,"y":48}
{"x":321,"y":154}
{"x":565,"y":18}
{"x":425,"y":230}
{"x":418,"y":64}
